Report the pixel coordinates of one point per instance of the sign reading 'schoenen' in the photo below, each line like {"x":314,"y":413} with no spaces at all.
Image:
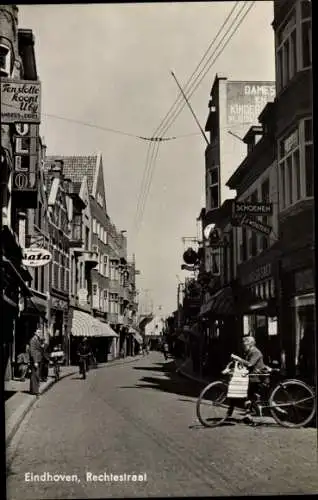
{"x":20,"y":101}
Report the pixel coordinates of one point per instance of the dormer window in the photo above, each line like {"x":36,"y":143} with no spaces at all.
{"x":5,"y":61}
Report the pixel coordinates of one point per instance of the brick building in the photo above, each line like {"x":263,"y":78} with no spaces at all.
{"x":20,"y":154}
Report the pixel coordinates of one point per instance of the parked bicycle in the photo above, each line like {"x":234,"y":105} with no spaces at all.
{"x":56,"y":359}
{"x":291,"y":402}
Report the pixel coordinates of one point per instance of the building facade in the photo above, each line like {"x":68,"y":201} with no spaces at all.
{"x":294,"y":139}
{"x":20,"y":153}
{"x":102,"y":281}
{"x":255,"y":244}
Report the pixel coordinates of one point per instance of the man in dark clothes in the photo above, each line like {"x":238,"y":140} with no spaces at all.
{"x":36,"y":355}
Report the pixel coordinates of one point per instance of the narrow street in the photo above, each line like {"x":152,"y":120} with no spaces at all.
{"x":140,"y":419}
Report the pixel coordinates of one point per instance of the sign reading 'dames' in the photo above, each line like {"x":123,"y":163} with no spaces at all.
{"x":246,"y":101}
{"x":36,"y":257}
{"x":20,"y":101}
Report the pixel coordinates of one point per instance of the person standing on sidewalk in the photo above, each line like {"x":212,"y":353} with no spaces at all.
{"x":36,"y":355}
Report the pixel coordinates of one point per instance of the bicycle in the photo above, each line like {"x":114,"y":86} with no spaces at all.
{"x":291,"y":402}
{"x":56,"y":371}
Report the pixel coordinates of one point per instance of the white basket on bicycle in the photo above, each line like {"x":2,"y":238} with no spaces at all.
{"x":238,"y":385}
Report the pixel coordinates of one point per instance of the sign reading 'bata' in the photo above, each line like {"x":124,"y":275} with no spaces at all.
{"x":246,"y":101}
{"x":20,"y":101}
{"x":36,"y":257}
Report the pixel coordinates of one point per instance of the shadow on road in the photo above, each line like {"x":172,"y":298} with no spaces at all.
{"x":172,"y":382}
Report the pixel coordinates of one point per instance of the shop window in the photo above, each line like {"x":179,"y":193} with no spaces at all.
{"x":5,"y":61}
{"x":286,"y":51}
{"x":309,"y":170}
{"x":306,"y":34}
{"x":243,"y":249}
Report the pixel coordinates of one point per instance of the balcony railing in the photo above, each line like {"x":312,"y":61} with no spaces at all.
{"x":76,"y":239}
{"x":90,"y":258}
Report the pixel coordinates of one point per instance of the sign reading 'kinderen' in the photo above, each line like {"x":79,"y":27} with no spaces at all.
{"x":246,"y":101}
{"x":20,"y":101}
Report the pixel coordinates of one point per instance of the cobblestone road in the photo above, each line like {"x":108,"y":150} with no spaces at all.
{"x":140,"y":419}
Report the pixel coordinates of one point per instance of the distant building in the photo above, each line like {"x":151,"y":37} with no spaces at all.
{"x":100,"y":269}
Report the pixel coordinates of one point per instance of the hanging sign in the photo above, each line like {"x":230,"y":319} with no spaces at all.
{"x":20,"y":101}
{"x":252,"y":208}
{"x":257,"y":226}
{"x":36,"y":257}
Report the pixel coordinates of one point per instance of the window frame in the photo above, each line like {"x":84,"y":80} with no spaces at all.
{"x":299,"y":168}
{"x":5,"y":69}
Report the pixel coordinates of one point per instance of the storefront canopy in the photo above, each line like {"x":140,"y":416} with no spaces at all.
{"x":222,"y":303}
{"x":85,"y":325}
{"x":136,"y":335}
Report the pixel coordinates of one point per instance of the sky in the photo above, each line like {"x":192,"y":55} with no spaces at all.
{"x":110,"y":65}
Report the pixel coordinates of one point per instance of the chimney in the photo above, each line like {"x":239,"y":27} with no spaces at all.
{"x":56,"y":169}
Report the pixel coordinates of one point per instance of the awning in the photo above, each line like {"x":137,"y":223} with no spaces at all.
{"x":182,"y":337}
{"x":136,"y":335}
{"x":222,"y":303}
{"x":192,"y":330}
{"x":205,"y":308}
{"x":25,"y":290}
{"x":85,"y":325}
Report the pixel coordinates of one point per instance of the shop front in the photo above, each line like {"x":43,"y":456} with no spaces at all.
{"x":100,"y":335}
{"x":259,"y":303}
{"x":298,"y":323}
{"x":219,"y":322}
{"x":14,"y":292}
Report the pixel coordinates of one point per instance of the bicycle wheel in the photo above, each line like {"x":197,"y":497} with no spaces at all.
{"x":212,"y":405}
{"x":292,"y":403}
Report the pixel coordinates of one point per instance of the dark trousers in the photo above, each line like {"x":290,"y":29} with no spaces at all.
{"x":35,"y":380}
{"x":44,"y":370}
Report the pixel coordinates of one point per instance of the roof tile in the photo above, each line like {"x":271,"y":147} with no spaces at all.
{"x":75,"y":168}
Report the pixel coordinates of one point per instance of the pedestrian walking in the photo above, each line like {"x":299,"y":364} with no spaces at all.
{"x":36,"y":354}
{"x":165,"y":350}
{"x":84,"y":353}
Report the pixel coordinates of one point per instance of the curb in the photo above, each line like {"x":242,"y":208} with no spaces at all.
{"x":24,"y":409}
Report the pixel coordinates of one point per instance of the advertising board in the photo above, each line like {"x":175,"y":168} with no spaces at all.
{"x":20,"y":101}
{"x":246,"y":100}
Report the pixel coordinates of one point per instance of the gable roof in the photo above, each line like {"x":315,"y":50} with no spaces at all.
{"x":76,"y":167}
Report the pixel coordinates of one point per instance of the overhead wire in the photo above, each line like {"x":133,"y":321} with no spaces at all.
{"x":171,"y":120}
{"x":146,"y":174}
{"x":108,"y":129}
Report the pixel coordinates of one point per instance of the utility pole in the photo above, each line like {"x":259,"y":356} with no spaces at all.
{"x":190,"y":107}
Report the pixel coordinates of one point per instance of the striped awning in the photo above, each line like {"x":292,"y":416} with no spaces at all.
{"x":136,"y":335}
{"x":85,"y":325}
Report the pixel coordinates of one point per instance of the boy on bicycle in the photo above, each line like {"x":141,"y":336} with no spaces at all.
{"x":253,"y":360}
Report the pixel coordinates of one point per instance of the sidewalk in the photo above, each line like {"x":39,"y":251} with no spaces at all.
{"x":20,"y":403}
